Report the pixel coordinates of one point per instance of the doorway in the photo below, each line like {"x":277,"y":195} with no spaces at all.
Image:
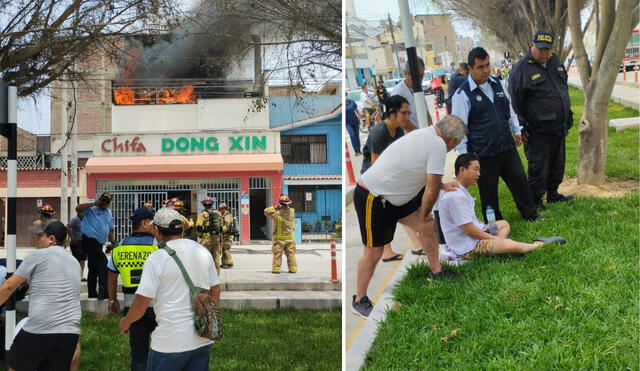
{"x":258,"y":226}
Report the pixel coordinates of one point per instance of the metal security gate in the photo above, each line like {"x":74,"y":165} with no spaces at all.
{"x":124,"y":203}
{"x":232,"y":199}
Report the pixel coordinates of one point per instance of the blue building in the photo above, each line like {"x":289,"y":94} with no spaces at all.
{"x":310,"y":142}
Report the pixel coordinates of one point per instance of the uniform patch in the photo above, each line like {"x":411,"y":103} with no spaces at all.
{"x":536,"y":76}
{"x":561,"y":69}
{"x":500,"y":94}
{"x":478,"y":98}
{"x":543,"y":38}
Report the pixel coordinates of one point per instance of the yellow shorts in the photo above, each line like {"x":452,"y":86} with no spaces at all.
{"x":483,"y":247}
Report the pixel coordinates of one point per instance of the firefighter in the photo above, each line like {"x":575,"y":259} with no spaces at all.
{"x":187,"y":222}
{"x":149,"y":205}
{"x":283,"y":224}
{"x":208,"y":229}
{"x":46,"y":212}
{"x":227,"y":234}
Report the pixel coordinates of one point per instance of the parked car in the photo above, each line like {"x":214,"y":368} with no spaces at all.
{"x":389,"y":84}
{"x":354,"y":95}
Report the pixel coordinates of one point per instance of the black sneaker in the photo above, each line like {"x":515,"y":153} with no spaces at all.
{"x":363,"y":307}
{"x":444,"y":273}
{"x":558,"y":198}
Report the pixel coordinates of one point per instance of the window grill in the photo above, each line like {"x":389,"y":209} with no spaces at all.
{"x":260,"y":183}
{"x":26,"y":162}
{"x":304,"y":149}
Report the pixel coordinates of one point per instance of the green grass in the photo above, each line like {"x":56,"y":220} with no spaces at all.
{"x":559,"y":307}
{"x":283,"y":339}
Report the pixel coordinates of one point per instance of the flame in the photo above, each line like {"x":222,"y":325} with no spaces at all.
{"x":128,"y":96}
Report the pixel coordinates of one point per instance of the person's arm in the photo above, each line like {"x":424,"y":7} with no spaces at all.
{"x":215,"y":293}
{"x":514,"y":123}
{"x":271,"y":212}
{"x":460,"y":107}
{"x":430,"y":196}
{"x":82,"y":207}
{"x":112,"y":288}
{"x":112,"y":237}
{"x":136,"y":311}
{"x":9,"y":286}
{"x":374,"y":157}
{"x":476,"y":233}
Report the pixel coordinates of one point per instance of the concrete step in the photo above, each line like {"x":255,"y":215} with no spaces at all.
{"x":265,"y":299}
{"x":625,"y":123}
{"x":303,"y":284}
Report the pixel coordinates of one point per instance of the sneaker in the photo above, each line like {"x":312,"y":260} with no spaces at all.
{"x":535,"y":218}
{"x":540,"y":207}
{"x":445,"y":272}
{"x":558,"y":198}
{"x":363,"y":307}
{"x":549,"y":240}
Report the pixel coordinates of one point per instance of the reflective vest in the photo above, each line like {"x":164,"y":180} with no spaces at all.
{"x":129,"y":258}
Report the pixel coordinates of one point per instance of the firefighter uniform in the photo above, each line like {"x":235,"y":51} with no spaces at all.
{"x":127,"y":260}
{"x":540,"y":98}
{"x":226,"y":237}
{"x":208,"y":229}
{"x":283,"y":224}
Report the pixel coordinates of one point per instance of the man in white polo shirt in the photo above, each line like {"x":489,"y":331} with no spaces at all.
{"x":404,"y":89}
{"x":465,"y":234}
{"x":402,"y":186}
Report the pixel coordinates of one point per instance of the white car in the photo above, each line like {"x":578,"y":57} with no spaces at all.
{"x":390,"y":84}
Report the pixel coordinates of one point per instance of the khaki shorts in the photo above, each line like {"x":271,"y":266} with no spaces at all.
{"x":482,"y":247}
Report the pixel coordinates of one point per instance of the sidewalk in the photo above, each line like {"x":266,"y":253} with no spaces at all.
{"x":623,"y":94}
{"x":250,"y":283}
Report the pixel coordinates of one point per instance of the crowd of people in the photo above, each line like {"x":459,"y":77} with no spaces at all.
{"x":403,"y":166}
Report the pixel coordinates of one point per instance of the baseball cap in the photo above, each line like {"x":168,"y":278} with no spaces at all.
{"x":51,"y":227}
{"x":141,"y":214}
{"x":168,"y":218}
{"x":105,"y":197}
{"x":543,"y":39}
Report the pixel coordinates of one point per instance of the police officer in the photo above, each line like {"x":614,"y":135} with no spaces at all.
{"x":540,"y":97}
{"x":283,"y":218}
{"x":46,"y":212}
{"x":484,"y":106}
{"x":226,"y":235}
{"x":127,"y":260}
{"x":208,"y":229}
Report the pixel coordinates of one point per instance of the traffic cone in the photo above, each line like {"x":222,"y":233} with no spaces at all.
{"x":352,"y":176}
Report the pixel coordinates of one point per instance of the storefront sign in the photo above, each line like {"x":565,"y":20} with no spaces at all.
{"x":187,"y":144}
{"x":244,"y":204}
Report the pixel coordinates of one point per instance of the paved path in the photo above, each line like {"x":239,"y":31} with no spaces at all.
{"x":623,"y":94}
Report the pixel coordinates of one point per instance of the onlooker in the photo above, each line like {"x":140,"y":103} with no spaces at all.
{"x":456,"y":80}
{"x":402,"y":186}
{"x":75,"y":231}
{"x":541,"y":100}
{"x":381,"y":92}
{"x":49,"y":338}
{"x":127,"y":260}
{"x":485,"y":107}
{"x":97,"y":226}
{"x":368,"y":105}
{"x":464,"y":233}
{"x":380,"y":137}
{"x":352,"y":120}
{"x":175,"y":344}
{"x":405,"y":89}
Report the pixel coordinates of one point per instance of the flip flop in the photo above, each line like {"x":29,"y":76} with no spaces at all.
{"x":417,"y":252}
{"x":393,"y":258}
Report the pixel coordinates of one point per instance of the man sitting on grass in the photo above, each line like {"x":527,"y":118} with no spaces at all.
{"x":464,"y":233}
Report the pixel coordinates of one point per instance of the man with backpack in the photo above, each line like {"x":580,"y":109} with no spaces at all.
{"x":227,"y":233}
{"x":208,"y":228}
{"x":175,"y":343}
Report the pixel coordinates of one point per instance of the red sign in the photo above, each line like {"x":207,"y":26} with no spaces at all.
{"x":112,"y":145}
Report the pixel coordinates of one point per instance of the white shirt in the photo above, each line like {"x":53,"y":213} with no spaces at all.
{"x":163,"y":282}
{"x":366,"y":100}
{"x":401,"y":170}
{"x":404,"y":91}
{"x":456,"y":209}
{"x":460,"y":106}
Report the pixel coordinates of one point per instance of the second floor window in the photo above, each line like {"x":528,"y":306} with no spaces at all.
{"x":304,"y":149}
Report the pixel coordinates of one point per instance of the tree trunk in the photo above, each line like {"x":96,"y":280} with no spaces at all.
{"x":593,"y":144}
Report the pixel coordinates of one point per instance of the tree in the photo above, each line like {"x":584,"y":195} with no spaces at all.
{"x":40,"y":40}
{"x":515,"y":22}
{"x":598,"y":78}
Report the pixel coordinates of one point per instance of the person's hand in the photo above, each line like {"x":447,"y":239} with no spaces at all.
{"x":525,"y":137}
{"x":425,"y":216}
{"x":518,"y":139}
{"x":114,"y":307}
{"x":124,"y":326}
{"x":451,"y":186}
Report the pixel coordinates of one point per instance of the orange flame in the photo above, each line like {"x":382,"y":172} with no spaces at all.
{"x":128,"y":96}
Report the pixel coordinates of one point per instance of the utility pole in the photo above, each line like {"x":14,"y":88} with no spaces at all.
{"x":395,"y":48}
{"x":64,"y":117}
{"x":353,"y":59}
{"x":74,"y":155}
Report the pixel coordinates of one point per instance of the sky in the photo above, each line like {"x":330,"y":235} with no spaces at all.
{"x":378,"y":9}
{"x":35,"y":117}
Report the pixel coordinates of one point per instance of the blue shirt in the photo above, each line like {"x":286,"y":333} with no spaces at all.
{"x":351,"y":115}
{"x":460,"y":106}
{"x":97,"y":223}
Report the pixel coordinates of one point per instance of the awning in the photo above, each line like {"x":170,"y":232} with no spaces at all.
{"x":205,"y":163}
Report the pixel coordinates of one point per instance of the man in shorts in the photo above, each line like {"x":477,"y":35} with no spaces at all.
{"x":402,"y":186}
{"x":466,"y":236}
{"x":48,"y":340}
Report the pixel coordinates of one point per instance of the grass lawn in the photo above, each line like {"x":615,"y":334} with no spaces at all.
{"x":282,"y":339}
{"x":569,"y":307}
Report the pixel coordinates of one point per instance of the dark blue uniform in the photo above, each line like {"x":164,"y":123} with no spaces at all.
{"x":540,"y":98}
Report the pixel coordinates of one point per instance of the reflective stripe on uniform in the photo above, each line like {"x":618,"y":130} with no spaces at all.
{"x":367,"y":220}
